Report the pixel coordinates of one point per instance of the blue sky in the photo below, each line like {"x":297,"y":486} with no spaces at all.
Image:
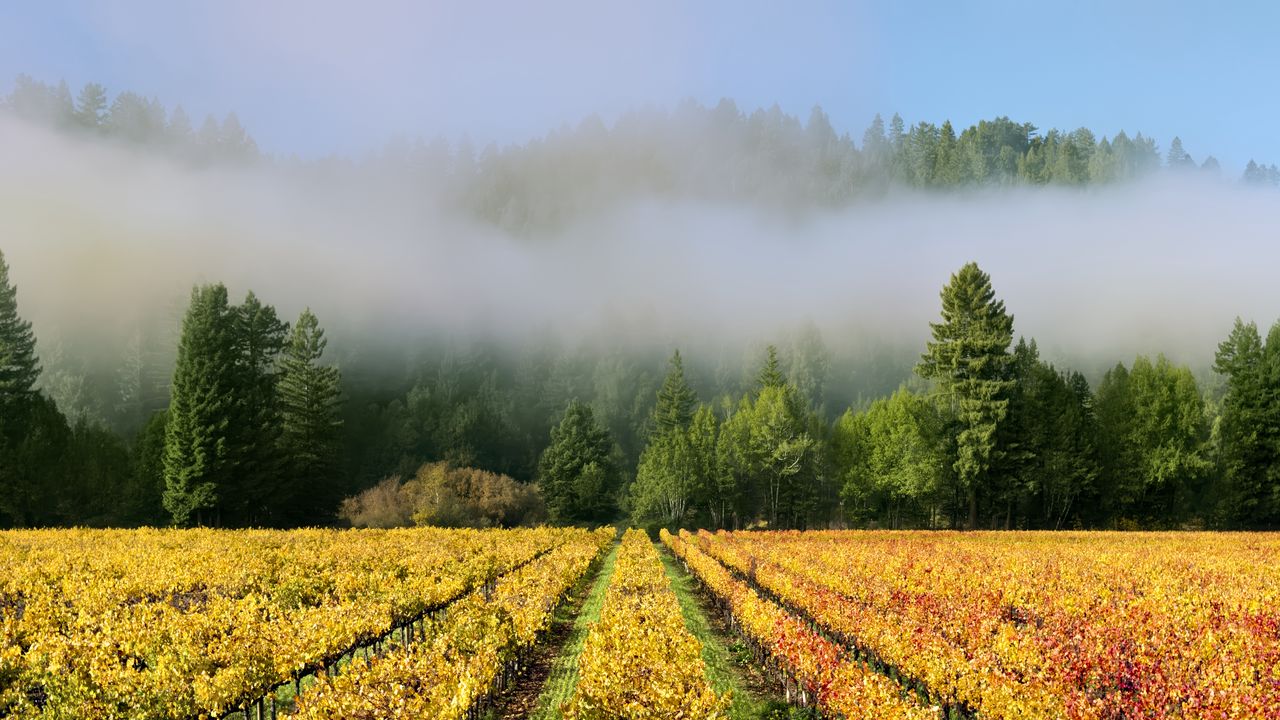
{"x":319,"y":77}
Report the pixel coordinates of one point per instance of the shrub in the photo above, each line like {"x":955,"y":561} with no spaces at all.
{"x":446,"y":496}
{"x":385,"y":505}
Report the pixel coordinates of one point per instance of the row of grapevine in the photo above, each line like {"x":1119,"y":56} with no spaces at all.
{"x":470,"y":648}
{"x":639,"y":660}
{"x":1083,"y":625}
{"x":194,"y":624}
{"x":816,"y":669}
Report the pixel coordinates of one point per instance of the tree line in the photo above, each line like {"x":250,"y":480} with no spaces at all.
{"x":989,"y":436}
{"x":259,"y":429}
{"x":764,"y":157}
{"x":251,"y":435}
{"x":131,"y":119}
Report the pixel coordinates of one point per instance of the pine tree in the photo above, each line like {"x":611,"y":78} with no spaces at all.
{"x":259,"y":487}
{"x":676,"y":400}
{"x":969,"y":359}
{"x":91,"y":106}
{"x":1177,"y":157}
{"x":771,"y":374}
{"x":310,"y":396}
{"x":19,"y":368}
{"x":1249,"y":437}
{"x":946,"y":170}
{"x":199,"y":452}
{"x":576,"y":472}
{"x":1254,"y":174}
{"x":30,"y":426}
{"x":666,"y":473}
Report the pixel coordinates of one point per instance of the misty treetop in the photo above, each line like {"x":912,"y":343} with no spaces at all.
{"x":721,"y":154}
{"x":131,"y":119}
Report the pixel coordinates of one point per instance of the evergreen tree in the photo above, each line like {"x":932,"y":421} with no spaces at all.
{"x":19,"y":400}
{"x":19,"y":368}
{"x":771,"y":374}
{"x":897,"y":131}
{"x":577,"y":472}
{"x":675,"y":475}
{"x":1254,"y":174}
{"x":199,"y":450}
{"x":1170,"y":433}
{"x":310,"y":396}
{"x":1119,"y":482}
{"x":259,"y":489}
{"x":1046,"y":459}
{"x":35,"y":483}
{"x":1153,"y":443}
{"x":178,"y":131}
{"x":676,"y":400}
{"x":91,"y":106}
{"x":1249,"y":436}
{"x":1177,"y":157}
{"x":144,"y":495}
{"x":877,"y":150}
{"x":808,"y":366}
{"x":969,"y":360}
{"x":947,"y":168}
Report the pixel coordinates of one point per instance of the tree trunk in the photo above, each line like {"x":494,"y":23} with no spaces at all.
{"x":973,"y":508}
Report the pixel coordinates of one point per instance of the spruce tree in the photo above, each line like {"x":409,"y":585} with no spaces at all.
{"x":676,"y":400}
{"x":91,"y":106}
{"x":771,"y":374}
{"x":673,"y":469}
{"x":310,"y":394}
{"x":1249,"y":438}
{"x":577,"y":472}
{"x":19,"y":368}
{"x":969,"y":360}
{"x":199,"y":450}
{"x":1178,"y":157}
{"x":29,"y":423}
{"x":259,"y":487}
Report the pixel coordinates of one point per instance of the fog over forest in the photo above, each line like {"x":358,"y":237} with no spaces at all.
{"x":103,"y":237}
{"x":478,"y":301}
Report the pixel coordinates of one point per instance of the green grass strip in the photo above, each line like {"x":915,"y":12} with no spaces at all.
{"x":563,"y":678}
{"x":723,"y":661}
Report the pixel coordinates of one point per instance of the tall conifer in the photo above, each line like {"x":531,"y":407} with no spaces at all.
{"x":199,"y":457}
{"x":969,"y":359}
{"x":310,"y":394}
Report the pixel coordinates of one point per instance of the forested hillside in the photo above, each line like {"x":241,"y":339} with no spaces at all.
{"x":228,"y":414}
{"x":761,"y":156}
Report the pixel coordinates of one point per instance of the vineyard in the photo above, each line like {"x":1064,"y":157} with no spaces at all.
{"x":433,"y":623}
{"x":201,"y":624}
{"x":1009,"y":625}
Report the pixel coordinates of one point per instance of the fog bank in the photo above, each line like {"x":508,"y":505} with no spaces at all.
{"x":100,"y":239}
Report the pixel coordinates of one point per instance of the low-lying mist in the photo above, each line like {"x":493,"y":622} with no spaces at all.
{"x":102,"y":240}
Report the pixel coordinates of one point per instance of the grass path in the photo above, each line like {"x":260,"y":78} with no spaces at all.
{"x":729,"y":665}
{"x":563,"y":677}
